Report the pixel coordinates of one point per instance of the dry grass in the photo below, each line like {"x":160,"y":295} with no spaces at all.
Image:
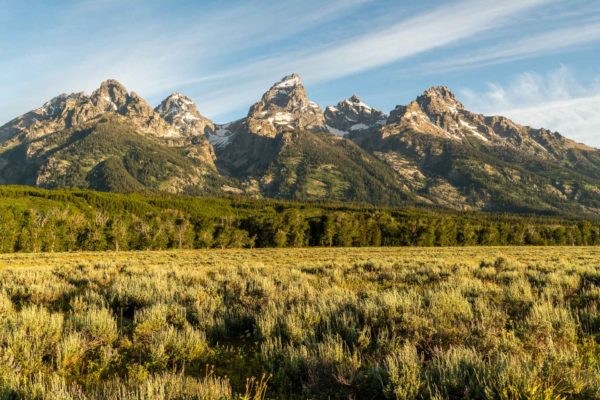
{"x":398,"y":323}
{"x":307,"y":256}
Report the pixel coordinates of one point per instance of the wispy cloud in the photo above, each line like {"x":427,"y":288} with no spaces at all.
{"x":225,"y":56}
{"x":555,"y":41}
{"x":576,"y":118}
{"x":556,"y":101}
{"x":419,"y":34}
{"x":91,"y":41}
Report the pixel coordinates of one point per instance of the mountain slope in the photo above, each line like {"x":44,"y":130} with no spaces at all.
{"x":283,"y":149}
{"x":312,"y":166}
{"x":254,"y":142}
{"x":460,"y":159}
{"x":68,"y":111}
{"x":431,"y":151}
{"x":194,"y":129}
{"x":108,"y":153}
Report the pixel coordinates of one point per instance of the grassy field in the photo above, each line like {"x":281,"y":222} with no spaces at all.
{"x":361,"y":323}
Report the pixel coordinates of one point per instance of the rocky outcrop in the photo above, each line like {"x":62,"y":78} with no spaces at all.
{"x":181,"y":112}
{"x":438,"y":112}
{"x":67,"y":111}
{"x":113,"y":97}
{"x":61,"y":112}
{"x":285,"y":107}
{"x":352,"y":115}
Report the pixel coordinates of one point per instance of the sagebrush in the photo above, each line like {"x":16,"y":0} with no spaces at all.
{"x":473,"y":323}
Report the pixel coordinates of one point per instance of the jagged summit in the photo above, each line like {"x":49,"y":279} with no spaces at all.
{"x":55,"y":106}
{"x":285,"y":107}
{"x":438,"y":112}
{"x":110,"y":96}
{"x":439,"y":91}
{"x":357,"y":102}
{"x":289,"y":81}
{"x":181,"y":112}
{"x":177,"y":104}
{"x":70,"y":110}
{"x":352,"y":115}
{"x":432,"y":149}
{"x":439,"y":99}
{"x":112,"y":84}
{"x":288,"y":93}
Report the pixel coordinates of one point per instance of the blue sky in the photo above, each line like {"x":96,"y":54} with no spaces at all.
{"x":536,"y":61}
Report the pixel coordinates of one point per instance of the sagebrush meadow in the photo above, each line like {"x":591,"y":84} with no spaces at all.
{"x":386,"y":323}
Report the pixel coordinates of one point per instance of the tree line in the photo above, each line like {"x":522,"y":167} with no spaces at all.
{"x":36,"y":220}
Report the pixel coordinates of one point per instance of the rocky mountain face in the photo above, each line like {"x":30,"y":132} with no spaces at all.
{"x":193,"y":129}
{"x":248,"y":146}
{"x":112,"y":135}
{"x":454,"y":158}
{"x":285,"y":108}
{"x":431,"y":151}
{"x":181,"y":112}
{"x":437,"y":112}
{"x":67,"y":111}
{"x":352,"y":115}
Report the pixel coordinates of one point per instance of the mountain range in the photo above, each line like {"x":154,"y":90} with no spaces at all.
{"x":431,"y":152}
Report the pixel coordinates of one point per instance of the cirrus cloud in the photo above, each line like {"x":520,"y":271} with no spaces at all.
{"x":556,"y":100}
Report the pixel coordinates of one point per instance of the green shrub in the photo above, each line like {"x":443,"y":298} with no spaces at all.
{"x":404,"y":370}
{"x":313,"y":323}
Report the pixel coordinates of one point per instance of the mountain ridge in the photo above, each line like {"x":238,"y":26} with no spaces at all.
{"x":431,"y":151}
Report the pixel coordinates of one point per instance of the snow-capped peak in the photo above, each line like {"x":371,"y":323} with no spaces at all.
{"x":285,"y":107}
{"x":357,"y":102}
{"x":352,"y":115}
{"x":180,"y":111}
{"x":176,"y":103}
{"x":288,"y":81}
{"x":180,"y":97}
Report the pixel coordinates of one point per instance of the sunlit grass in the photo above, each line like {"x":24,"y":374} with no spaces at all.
{"x":397,"y":323}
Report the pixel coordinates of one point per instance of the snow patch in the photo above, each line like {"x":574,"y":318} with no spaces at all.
{"x":181,"y":98}
{"x":51,"y":107}
{"x":452,"y":110}
{"x":336,"y":132}
{"x":357,"y":103}
{"x":473,"y":130}
{"x":281,"y":118}
{"x":359,"y":127}
{"x":288,"y":82}
{"x":109,"y":100}
{"x":415,"y":115}
{"x":222,"y":136}
{"x":188,"y":116}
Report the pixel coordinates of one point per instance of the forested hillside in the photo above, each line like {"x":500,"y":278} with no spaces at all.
{"x":38,"y":220}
